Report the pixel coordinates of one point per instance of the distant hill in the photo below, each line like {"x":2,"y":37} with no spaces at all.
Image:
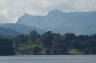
{"x":7,"y":32}
{"x":23,"y":29}
{"x":62,"y":22}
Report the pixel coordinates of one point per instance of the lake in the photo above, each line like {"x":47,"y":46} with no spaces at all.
{"x":49,"y":59}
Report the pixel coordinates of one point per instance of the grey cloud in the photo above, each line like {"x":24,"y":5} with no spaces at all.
{"x":15,"y":8}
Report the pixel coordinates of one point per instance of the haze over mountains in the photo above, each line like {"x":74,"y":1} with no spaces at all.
{"x":62,"y":22}
{"x":7,"y":32}
{"x":56,"y":21}
{"x":12,"y":30}
{"x":23,"y":29}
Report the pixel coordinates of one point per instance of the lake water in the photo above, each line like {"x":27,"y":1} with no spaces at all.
{"x":49,"y":59}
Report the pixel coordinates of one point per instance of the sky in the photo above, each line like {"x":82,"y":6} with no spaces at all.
{"x":11,"y":10}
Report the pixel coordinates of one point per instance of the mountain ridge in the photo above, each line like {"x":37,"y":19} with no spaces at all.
{"x":23,"y":29}
{"x":59,"y":21}
{"x":8,"y":33}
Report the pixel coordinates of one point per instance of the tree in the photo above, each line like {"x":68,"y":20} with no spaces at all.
{"x":69,"y":40}
{"x":51,"y":43}
{"x":57,"y":46}
{"x":6,"y":47}
{"x":33,"y":36}
{"x":46,"y":40}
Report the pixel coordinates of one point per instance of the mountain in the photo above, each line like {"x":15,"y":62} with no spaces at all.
{"x":62,"y":22}
{"x":7,"y":32}
{"x":23,"y":29}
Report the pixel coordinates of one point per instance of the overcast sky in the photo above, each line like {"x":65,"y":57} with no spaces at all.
{"x":10,"y":10}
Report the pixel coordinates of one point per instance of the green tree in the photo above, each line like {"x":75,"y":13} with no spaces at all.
{"x":46,"y":40}
{"x":6,"y":47}
{"x":33,"y":36}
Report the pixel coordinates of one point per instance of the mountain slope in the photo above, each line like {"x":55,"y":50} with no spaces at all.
{"x":7,"y":32}
{"x":57,"y":21}
{"x":24,"y":29}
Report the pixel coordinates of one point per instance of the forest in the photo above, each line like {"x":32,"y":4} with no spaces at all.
{"x":49,"y":43}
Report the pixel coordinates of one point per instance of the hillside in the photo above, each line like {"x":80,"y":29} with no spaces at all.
{"x":23,"y":29}
{"x":8,"y":33}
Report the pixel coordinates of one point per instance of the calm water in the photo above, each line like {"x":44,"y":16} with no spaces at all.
{"x":49,"y":59}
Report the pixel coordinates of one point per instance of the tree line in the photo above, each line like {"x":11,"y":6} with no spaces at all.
{"x":50,"y":43}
